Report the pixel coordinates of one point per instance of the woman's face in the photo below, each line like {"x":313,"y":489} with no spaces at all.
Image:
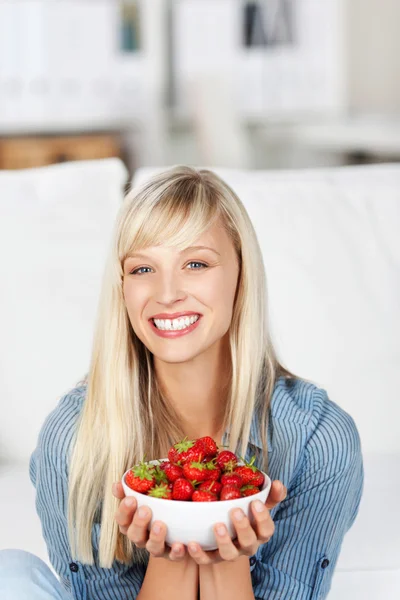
{"x":161,"y":280}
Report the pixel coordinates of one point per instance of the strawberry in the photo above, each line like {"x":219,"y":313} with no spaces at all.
{"x":173,"y":471}
{"x":230,"y":492}
{"x":140,"y":478}
{"x":185,"y":451}
{"x":210,"y":446}
{"x":258,"y":479}
{"x":249,"y":473}
{"x":161,"y":491}
{"x":211,"y":486}
{"x":182,"y":490}
{"x":249,"y":490}
{"x":195,"y":471}
{"x":231,"y":478}
{"x":213,"y":471}
{"x":226,"y":460}
{"x":203,"y":496}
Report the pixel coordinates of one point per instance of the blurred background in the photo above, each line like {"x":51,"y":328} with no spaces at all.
{"x":265,"y":84}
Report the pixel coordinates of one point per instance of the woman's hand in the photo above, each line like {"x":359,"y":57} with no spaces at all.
{"x":134,"y":526}
{"x":248,"y":539}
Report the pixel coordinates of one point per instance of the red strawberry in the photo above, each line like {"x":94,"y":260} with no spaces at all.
{"x":185,"y":451}
{"x":211,"y":486}
{"x":161,"y":491}
{"x":182,"y":490}
{"x":231,"y":479}
{"x":210,"y":446}
{"x":230,"y":492}
{"x":249,"y":473}
{"x":173,"y":471}
{"x":258,"y":479}
{"x":203,"y":496}
{"x":140,"y":478}
{"x":195,"y":471}
{"x":249,"y":490}
{"x":226,"y":460}
{"x":213,"y":472}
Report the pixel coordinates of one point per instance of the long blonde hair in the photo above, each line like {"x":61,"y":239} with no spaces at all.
{"x":125,"y":415}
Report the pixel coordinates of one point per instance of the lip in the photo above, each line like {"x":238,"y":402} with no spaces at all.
{"x":175,"y":334}
{"x":187,"y":313}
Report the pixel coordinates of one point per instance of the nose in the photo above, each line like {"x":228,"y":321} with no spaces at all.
{"x":168,"y":291}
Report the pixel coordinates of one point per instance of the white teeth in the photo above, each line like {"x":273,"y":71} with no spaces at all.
{"x":175,"y":324}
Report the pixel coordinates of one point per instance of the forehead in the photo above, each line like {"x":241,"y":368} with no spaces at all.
{"x":215,"y":238}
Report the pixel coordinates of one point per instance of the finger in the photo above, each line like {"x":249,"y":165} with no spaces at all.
{"x":246,"y":535}
{"x":137,"y":532}
{"x":156,"y":542}
{"x":118,"y":490}
{"x":264,"y":524}
{"x":201,"y":557}
{"x":277,"y":493}
{"x":226,"y":548}
{"x":125,"y":513}
{"x":177,"y":552}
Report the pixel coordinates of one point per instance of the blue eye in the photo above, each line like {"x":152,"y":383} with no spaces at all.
{"x":193,"y":262}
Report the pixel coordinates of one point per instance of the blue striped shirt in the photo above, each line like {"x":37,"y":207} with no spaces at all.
{"x":314,"y":449}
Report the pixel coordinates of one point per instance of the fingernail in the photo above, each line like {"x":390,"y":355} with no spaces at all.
{"x":130,"y":501}
{"x":221,"y":530}
{"x":193,"y":547}
{"x":156,"y":528}
{"x":238,"y":515}
{"x":114,"y":488}
{"x":258,"y":506}
{"x":142,"y":512}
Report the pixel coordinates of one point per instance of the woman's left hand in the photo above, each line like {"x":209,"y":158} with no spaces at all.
{"x":248,"y":539}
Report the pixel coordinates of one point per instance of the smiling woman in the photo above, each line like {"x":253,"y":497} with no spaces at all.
{"x":182,"y":347}
{"x":183,"y":243}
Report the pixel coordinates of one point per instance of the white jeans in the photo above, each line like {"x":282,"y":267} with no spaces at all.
{"x":24,"y":576}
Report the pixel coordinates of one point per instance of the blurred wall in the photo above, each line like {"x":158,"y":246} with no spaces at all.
{"x":373,"y":40}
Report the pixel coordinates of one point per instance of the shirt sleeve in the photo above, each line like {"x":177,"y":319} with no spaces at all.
{"x":321,"y":506}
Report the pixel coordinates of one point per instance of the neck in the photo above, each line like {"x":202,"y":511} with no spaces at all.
{"x":198,"y":391}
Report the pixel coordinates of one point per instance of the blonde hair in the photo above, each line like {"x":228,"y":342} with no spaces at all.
{"x":125,"y":415}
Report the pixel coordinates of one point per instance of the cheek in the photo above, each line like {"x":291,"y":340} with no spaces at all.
{"x":133,"y":301}
{"x":219,"y":298}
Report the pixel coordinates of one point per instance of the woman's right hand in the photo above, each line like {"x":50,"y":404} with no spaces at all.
{"x":134,"y":527}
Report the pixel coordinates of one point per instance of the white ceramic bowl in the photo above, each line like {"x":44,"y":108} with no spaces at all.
{"x":189,"y":521}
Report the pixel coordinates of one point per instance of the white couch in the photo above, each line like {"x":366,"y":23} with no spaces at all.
{"x":332,"y":256}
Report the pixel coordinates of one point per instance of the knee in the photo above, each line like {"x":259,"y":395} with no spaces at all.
{"x":14,"y":560}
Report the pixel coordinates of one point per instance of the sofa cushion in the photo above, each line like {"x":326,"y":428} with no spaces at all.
{"x":55,"y":227}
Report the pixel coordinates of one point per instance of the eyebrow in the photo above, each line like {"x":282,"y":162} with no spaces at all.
{"x":182,"y":252}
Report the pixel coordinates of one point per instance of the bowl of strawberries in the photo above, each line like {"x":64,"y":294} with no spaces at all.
{"x":194,"y":488}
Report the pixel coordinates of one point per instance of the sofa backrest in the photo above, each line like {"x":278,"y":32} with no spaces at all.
{"x":329,"y":239}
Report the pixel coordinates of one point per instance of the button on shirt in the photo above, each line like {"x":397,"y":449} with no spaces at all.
{"x":314,"y":448}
